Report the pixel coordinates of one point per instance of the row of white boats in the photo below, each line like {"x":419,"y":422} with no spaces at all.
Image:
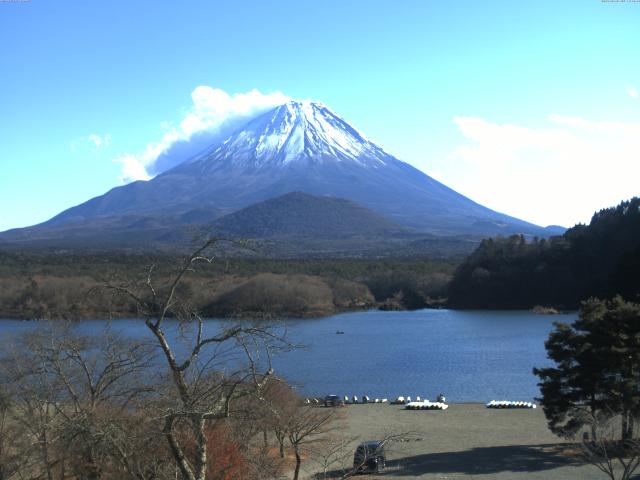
{"x":365,"y":399}
{"x":418,"y":403}
{"x":509,"y":404}
{"x":398,"y":401}
{"x":408,"y":400}
{"x":426,"y":405}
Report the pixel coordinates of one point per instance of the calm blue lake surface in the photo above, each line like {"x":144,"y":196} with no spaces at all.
{"x":468,"y":356}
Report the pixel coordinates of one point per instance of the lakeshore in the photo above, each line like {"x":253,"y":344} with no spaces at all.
{"x":466,"y":441}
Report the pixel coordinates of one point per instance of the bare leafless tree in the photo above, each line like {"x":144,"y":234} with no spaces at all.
{"x":12,"y":444}
{"x":73,"y":396}
{"x":306,"y":427}
{"x":279,"y":403}
{"x":333,"y":453}
{"x":208,"y":372}
{"x":99,"y":378}
{"x":606,"y":449}
{"x":101,"y":407}
{"x":33,"y":397}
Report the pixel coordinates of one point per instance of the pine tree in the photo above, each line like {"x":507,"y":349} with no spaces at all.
{"x":597,"y":371}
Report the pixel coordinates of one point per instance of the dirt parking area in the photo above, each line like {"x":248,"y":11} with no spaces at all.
{"x":466,"y":441}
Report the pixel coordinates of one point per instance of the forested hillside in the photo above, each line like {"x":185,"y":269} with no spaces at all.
{"x":600,"y":259}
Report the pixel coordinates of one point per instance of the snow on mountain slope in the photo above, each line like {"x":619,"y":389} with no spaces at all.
{"x":301,"y":146}
{"x":298,"y":131}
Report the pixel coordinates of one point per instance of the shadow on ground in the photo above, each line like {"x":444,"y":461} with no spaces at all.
{"x":480,"y":461}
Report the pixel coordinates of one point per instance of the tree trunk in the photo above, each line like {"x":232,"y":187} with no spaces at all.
{"x":45,"y":454}
{"x":281,"y":438}
{"x":264,"y":438}
{"x":298,"y":462}
{"x":181,"y":461}
{"x":89,"y":469}
{"x":625,"y":426}
{"x":201,"y":447}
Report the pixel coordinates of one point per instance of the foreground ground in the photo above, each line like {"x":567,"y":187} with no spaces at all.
{"x":467,"y":441}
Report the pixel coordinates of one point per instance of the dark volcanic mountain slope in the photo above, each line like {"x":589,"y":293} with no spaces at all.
{"x":300,"y":214}
{"x":297,"y":147}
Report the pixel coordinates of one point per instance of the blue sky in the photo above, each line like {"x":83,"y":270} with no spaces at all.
{"x":530,"y":108}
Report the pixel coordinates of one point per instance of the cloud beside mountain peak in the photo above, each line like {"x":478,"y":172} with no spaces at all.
{"x":213,"y":115}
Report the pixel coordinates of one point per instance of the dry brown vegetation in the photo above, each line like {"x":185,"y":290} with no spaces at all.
{"x":63,"y":285}
{"x":288,"y":295}
{"x":48,"y":297}
{"x":263,"y":295}
{"x":97,"y":408}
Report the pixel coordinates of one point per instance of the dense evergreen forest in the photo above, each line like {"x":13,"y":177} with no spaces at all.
{"x":596,"y":260}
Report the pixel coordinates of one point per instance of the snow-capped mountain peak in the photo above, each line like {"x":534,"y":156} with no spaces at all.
{"x":295,"y":132}
{"x":299,"y":146}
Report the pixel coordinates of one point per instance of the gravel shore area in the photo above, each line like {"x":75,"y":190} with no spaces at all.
{"x":467,"y":441}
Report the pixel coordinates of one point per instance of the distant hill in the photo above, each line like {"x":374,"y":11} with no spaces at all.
{"x":299,"y":214}
{"x":293,"y":225}
{"x":600,"y":259}
{"x":301,"y":225}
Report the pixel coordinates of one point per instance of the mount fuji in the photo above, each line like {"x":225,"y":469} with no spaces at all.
{"x":300,"y":146}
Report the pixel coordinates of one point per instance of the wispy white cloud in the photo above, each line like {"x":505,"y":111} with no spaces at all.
{"x":633,"y":93}
{"x":213,"y":115}
{"x":558,"y":173}
{"x":99,"y":141}
{"x":132,"y":168}
{"x":92,"y":141}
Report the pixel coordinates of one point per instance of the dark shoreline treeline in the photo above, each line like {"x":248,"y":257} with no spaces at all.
{"x":601,"y":259}
{"x":62,"y":285}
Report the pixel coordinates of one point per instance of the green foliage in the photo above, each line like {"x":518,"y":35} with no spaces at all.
{"x":601,"y":259}
{"x":597,"y":368}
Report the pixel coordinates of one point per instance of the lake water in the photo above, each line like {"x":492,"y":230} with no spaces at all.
{"x":469,"y":356}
